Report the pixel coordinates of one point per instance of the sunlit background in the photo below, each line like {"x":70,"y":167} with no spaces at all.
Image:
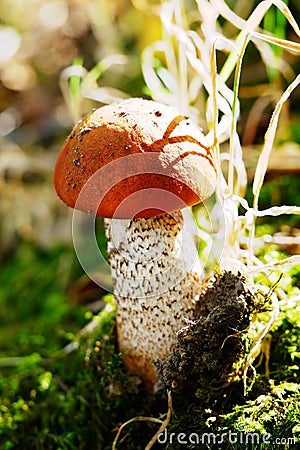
{"x":45,"y":298}
{"x":38,"y":40}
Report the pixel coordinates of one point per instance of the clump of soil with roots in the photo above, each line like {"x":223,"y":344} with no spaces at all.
{"x":218,"y":346}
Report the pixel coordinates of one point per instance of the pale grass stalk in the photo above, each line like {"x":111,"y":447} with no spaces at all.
{"x":271,"y":60}
{"x":166,"y":14}
{"x":202,"y":67}
{"x":89,"y":81}
{"x":249,"y":25}
{"x":276,"y":211}
{"x":134,"y":419}
{"x":229,"y":205}
{"x":283,"y":43}
{"x":214,"y":72}
{"x":269,"y":141}
{"x":224,"y":10}
{"x":175,"y":76}
{"x":182,"y":62}
{"x":291,"y":261}
{"x":163,"y":424}
{"x":153,"y":81}
{"x":233,"y":135}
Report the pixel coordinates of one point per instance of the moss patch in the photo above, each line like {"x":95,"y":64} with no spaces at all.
{"x":54,"y":398}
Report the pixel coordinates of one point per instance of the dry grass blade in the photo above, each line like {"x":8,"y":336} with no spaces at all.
{"x":269,"y":140}
{"x":291,"y":261}
{"x":249,"y":26}
{"x":273,"y":211}
{"x":234,"y":139}
{"x":77,"y":83}
{"x":134,"y":419}
{"x":106,"y":95}
{"x":277,"y":211}
{"x":205,"y":71}
{"x":159,"y":91}
{"x":163,"y":426}
{"x":228,"y":14}
{"x":290,"y":46}
{"x":214,"y":71}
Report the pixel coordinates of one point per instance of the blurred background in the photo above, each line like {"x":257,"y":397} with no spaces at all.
{"x":38,"y":40}
{"x":45,"y":298}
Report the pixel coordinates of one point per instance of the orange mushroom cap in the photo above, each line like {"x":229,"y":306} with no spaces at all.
{"x":134,"y":158}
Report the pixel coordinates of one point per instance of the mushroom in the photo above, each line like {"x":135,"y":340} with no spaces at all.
{"x":140,"y":165}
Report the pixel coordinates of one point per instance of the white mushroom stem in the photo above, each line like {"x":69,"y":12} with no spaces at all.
{"x":157,"y":280}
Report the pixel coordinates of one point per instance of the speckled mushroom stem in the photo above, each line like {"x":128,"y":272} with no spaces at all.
{"x":157,"y":280}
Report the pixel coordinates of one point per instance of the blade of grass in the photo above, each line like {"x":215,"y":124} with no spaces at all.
{"x":250,"y":24}
{"x":70,"y":83}
{"x":233,"y":133}
{"x":263,"y":160}
{"x":183,"y":100}
{"x":290,"y":261}
{"x":150,"y":65}
{"x":290,"y":46}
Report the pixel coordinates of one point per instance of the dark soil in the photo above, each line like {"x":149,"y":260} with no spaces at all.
{"x":209,"y":346}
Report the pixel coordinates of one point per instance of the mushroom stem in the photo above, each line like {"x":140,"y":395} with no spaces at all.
{"x":157,"y":280}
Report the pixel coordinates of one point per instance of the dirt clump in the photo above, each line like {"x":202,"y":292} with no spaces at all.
{"x":210,"y":349}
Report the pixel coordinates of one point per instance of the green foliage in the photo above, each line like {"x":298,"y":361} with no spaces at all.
{"x":55,"y":398}
{"x":32,"y":300}
{"x":283,"y":190}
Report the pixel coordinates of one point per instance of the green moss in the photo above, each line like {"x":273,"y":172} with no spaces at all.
{"x":55,"y":398}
